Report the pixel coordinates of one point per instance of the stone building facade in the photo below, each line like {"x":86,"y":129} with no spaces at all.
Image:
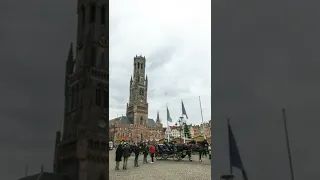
{"x":136,"y":125}
{"x":81,"y":149}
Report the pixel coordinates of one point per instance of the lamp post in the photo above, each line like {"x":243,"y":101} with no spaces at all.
{"x":129,"y":132}
{"x":180,"y":121}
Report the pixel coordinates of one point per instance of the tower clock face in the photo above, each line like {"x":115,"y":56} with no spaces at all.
{"x":102,"y":123}
{"x":103,"y":41}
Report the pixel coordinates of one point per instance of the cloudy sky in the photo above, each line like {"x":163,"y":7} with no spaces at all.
{"x":175,"y":38}
{"x":265,"y":56}
{"x":34,"y":42}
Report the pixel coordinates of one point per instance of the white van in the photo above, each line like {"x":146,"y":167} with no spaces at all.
{"x":110,"y":145}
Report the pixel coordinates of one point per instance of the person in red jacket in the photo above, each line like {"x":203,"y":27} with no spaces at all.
{"x":152,"y":152}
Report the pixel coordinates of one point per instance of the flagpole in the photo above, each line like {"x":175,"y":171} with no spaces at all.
{"x":288,"y":144}
{"x":184,"y":133}
{"x":230,"y":164}
{"x":168,"y":123}
{"x":202,"y":119}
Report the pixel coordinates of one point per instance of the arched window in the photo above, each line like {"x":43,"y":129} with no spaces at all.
{"x":83,"y":14}
{"x":72,"y":98}
{"x":105,"y":98}
{"x":138,"y":65}
{"x":90,"y":143}
{"x":102,"y":61}
{"x":141,"y":92}
{"x":77,"y":95}
{"x":141,"y":66}
{"x":92,"y":13}
{"x":141,"y":120}
{"x":98,"y":95}
{"x":103,"y":15}
{"x":93,"y":56}
{"x":97,"y":145}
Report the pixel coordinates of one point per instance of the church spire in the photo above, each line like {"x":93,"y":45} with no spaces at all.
{"x":70,"y":61}
{"x":70,"y":54}
{"x":158,"y":117}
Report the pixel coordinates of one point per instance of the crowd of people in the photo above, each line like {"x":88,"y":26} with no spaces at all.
{"x":124,"y":150}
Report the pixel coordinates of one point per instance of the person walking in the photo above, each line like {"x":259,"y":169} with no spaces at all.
{"x":136,"y":155}
{"x":203,"y":145}
{"x":152,"y":152}
{"x":119,"y":153}
{"x":126,"y":154}
{"x":145,"y":153}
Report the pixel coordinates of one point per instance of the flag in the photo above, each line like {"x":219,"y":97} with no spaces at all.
{"x":235,"y":158}
{"x":168,"y":115}
{"x":184,"y":110}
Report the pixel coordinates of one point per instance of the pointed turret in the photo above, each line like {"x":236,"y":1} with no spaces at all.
{"x":158,"y":117}
{"x":70,"y":55}
{"x":70,"y":61}
{"x":131,"y":81}
{"x":56,"y":151}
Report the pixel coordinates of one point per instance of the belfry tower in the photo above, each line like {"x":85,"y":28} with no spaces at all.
{"x":137,"y":108}
{"x":81,"y":150}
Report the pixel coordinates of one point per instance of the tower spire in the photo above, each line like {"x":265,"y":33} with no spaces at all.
{"x":70,"y":54}
{"x":158,"y":117}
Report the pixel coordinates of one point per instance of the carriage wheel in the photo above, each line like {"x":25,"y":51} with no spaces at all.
{"x":177,"y":157}
{"x":165,"y":156}
{"x":158,"y":157}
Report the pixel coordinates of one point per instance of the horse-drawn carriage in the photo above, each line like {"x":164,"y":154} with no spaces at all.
{"x":176,"y":152}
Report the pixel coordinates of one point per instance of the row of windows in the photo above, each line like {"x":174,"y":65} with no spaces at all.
{"x":76,"y":99}
{"x":138,"y":65}
{"x":97,"y":145}
{"x":92,"y":18}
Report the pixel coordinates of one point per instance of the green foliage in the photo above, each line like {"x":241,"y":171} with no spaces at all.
{"x":187,"y":131}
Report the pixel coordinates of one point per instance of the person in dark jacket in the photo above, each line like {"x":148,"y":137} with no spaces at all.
{"x":202,"y":150}
{"x":145,"y":153}
{"x":136,"y":155}
{"x":119,"y":153}
{"x":126,"y":154}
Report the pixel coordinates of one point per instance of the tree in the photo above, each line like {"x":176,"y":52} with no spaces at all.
{"x":187,"y":131}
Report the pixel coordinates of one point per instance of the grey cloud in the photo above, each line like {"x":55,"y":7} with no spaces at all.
{"x":264,"y":59}
{"x":161,"y":56}
{"x":34,"y":45}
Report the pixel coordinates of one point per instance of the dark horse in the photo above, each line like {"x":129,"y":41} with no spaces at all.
{"x":134,"y":146}
{"x":197,"y":147}
{"x":183,"y":150}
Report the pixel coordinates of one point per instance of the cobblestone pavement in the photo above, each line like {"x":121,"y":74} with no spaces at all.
{"x":161,"y":169}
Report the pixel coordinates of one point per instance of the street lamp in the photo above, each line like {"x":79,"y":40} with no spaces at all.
{"x":180,"y":121}
{"x":129,"y":132}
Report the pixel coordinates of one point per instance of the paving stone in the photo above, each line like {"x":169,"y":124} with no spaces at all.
{"x":161,"y":169}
